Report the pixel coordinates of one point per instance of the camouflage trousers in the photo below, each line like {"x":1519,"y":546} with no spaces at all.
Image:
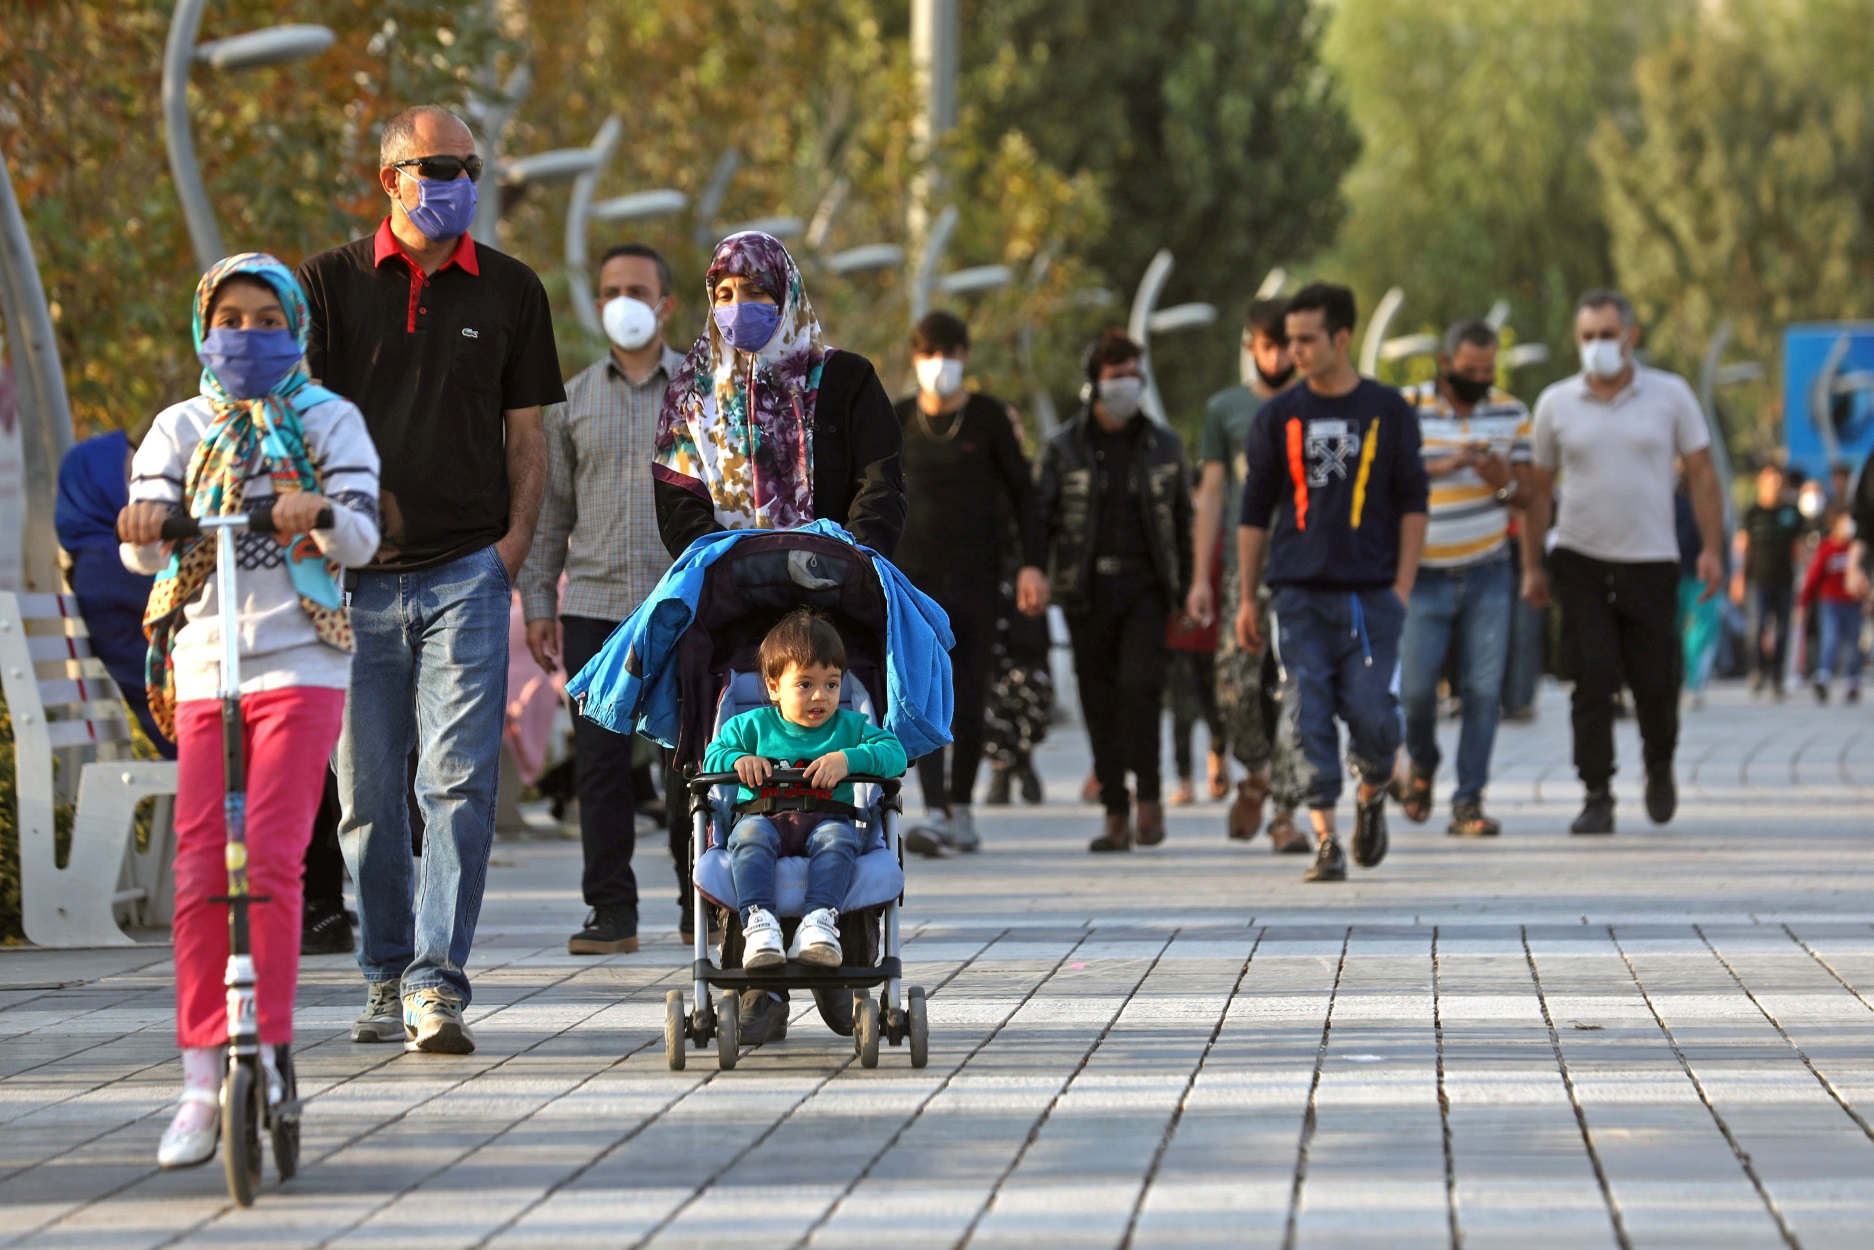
{"x":1256,"y":708}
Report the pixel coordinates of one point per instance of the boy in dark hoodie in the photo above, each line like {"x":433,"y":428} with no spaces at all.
{"x":1336,"y":493}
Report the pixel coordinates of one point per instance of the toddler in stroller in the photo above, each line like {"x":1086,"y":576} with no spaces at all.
{"x":803,"y":663}
{"x":694,"y":668}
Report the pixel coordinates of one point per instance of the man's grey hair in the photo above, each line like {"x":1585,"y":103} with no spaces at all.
{"x":398,"y":141}
{"x":1606,"y":297}
{"x":1470,"y":330}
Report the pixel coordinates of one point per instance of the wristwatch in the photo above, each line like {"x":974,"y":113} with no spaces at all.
{"x":1507,"y":493}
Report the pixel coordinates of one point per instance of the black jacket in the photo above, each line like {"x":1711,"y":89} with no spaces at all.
{"x":857,"y":478}
{"x":1067,"y":492}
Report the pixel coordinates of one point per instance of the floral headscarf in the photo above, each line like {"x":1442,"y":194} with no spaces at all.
{"x":737,"y":427}
{"x":267,"y":427}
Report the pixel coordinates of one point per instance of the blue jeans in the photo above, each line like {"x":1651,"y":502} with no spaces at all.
{"x":1468,"y":607}
{"x":1529,"y":633}
{"x":1340,"y":648}
{"x":430,"y":675}
{"x":1841,"y":643}
{"x":832,"y":848}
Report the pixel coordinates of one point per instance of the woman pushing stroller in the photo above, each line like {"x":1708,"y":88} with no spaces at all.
{"x":260,"y":433}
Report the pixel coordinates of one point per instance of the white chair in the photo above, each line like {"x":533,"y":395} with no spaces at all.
{"x":64,"y":706}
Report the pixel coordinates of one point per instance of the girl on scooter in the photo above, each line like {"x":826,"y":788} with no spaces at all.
{"x":259,"y":434}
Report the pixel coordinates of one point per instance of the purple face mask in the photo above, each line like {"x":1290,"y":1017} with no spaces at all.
{"x":444,"y":210}
{"x":748,"y":327}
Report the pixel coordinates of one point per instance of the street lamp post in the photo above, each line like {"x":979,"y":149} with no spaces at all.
{"x":45,"y":412}
{"x":1148,"y":319}
{"x":249,"y":51}
{"x":926,"y":280}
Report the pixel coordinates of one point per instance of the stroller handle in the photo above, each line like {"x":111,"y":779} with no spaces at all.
{"x":259,"y":519}
{"x":703,"y":783}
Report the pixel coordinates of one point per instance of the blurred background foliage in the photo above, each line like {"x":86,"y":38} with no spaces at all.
{"x":1711,"y":156}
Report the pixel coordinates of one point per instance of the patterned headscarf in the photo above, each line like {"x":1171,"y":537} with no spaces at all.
{"x":737,"y":427}
{"x":242,"y":430}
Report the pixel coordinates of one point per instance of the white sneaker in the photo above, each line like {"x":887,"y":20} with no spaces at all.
{"x":961,"y":834}
{"x":191,"y":1136}
{"x":761,"y":941}
{"x":818,"y":937}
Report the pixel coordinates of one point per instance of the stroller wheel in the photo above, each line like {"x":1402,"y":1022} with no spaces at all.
{"x":865,"y":1029}
{"x":917,"y":1024}
{"x":240,"y":1133}
{"x":676,"y":1030}
{"x":728,"y":1030}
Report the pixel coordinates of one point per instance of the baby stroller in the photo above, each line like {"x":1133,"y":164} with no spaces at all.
{"x":755,"y":581}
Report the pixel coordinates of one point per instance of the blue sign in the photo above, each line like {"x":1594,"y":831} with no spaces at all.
{"x":1828,"y":395}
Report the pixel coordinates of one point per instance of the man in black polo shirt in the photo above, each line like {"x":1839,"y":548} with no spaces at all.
{"x":447,"y":348}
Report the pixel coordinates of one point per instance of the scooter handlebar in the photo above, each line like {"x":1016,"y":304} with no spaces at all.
{"x":259,"y":520}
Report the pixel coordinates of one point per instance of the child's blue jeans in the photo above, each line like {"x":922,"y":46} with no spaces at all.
{"x":832,"y":848}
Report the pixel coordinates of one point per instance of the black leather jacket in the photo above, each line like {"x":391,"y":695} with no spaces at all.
{"x":1066,"y":486}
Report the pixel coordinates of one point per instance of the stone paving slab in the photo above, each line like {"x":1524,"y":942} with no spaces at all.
{"x":1665,"y":1038}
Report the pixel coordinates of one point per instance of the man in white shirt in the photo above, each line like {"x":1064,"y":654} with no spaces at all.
{"x":1613,"y":432}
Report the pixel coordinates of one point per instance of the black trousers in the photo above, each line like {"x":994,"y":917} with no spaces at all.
{"x":973,"y":622}
{"x":325,"y":867}
{"x":1192,"y":681}
{"x":608,"y":810}
{"x":1119,"y":662}
{"x":1619,"y":621}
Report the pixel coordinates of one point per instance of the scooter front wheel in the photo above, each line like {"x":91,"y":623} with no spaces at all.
{"x":240,"y":1133}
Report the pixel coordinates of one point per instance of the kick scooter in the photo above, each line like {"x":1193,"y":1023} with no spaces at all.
{"x":246,"y":1106}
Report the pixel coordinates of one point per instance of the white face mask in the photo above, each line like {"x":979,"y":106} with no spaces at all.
{"x":941,"y":376}
{"x":630,"y":323}
{"x":1602,"y":358}
{"x":1121,"y":397}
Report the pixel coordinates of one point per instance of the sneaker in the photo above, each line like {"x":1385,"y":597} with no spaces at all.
{"x":960,"y":832}
{"x":999,"y":781}
{"x":762,"y":1017}
{"x":432,"y":1023}
{"x":608,"y":931}
{"x":1662,"y":794}
{"x":927,"y":836}
{"x":761,"y":941}
{"x":190,"y":1139}
{"x":1851,"y":695}
{"x":1330,"y":862}
{"x":1821,"y":692}
{"x":382,"y":1018}
{"x":1369,"y":830}
{"x":325,"y":928}
{"x":1597,"y":814}
{"x":1468,"y":821}
{"x":817,"y":938}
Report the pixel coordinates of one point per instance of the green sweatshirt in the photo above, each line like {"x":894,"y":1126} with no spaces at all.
{"x":765,"y":732}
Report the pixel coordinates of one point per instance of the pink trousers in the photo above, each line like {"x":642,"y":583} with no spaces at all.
{"x":288,"y":738}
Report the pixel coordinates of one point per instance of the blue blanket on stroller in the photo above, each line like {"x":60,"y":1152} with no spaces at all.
{"x":632,"y":683}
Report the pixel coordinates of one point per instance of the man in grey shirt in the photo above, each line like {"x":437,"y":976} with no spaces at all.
{"x":599,"y":525}
{"x":1613,"y":432}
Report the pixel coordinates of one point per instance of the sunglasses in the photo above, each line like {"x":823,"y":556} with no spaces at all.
{"x":443,"y":168}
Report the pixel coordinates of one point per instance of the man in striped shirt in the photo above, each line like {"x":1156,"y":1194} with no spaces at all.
{"x":1476,"y":448}
{"x":599,"y":525}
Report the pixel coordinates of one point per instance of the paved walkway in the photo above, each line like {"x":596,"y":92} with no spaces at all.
{"x":1664,"y":1038}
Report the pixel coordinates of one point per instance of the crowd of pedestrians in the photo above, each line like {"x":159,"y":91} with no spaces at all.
{"x":1342,"y":556}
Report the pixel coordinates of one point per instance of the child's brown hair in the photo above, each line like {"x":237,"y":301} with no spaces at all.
{"x":801,"y":637}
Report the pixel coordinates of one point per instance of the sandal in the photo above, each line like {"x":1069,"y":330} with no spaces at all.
{"x":1414,"y":793}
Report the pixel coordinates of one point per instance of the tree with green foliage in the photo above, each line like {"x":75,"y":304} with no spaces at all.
{"x":1741,"y":187}
{"x":1474,"y":182}
{"x":1211,"y":126}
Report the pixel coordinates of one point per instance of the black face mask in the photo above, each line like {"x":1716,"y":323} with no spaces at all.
{"x":1276,"y":381}
{"x":1464,"y":390}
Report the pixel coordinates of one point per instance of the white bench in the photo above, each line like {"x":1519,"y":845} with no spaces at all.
{"x":64,"y":706}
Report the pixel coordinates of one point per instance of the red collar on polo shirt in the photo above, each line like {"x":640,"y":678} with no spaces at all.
{"x":387,"y":245}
